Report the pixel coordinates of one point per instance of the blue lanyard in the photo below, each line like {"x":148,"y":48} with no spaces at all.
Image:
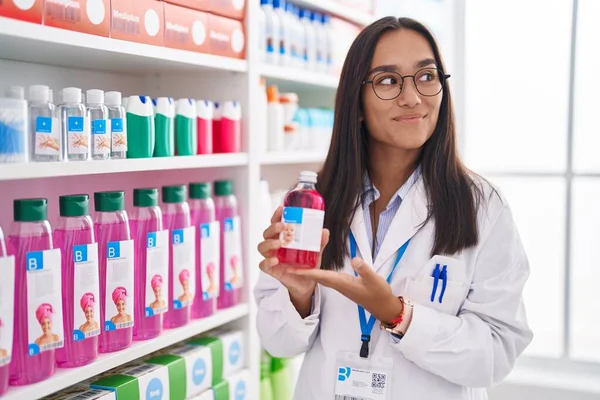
{"x":367,"y":327}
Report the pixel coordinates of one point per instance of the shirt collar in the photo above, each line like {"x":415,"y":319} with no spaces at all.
{"x":370,"y":192}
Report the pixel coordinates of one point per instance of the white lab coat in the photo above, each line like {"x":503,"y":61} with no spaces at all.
{"x":451,"y":351}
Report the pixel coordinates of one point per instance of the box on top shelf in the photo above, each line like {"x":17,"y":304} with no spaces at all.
{"x":200,"y":5}
{"x":137,"y":21}
{"x":226,"y":37}
{"x":87,"y":16}
{"x":28,"y":10}
{"x":228,"y":8}
{"x":186,"y":29}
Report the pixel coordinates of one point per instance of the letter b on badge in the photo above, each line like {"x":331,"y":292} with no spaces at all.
{"x":113,"y":250}
{"x":35,"y":260}
{"x":344,"y":373}
{"x":80,"y":253}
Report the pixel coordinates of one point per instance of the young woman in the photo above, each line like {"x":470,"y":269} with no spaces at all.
{"x":419,"y":292}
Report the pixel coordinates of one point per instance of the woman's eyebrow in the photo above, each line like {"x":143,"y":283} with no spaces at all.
{"x":394,"y":68}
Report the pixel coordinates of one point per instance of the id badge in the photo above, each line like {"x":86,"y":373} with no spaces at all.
{"x":363,"y":378}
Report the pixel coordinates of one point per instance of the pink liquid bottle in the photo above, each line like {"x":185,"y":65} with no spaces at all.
{"x":202,"y":209}
{"x":116,"y":255}
{"x":216,"y":129}
{"x":231,"y":125}
{"x":303,"y":216}
{"x":182,"y":271}
{"x":80,"y":281}
{"x":204,"y":122}
{"x":37,"y":268}
{"x":231,"y":268}
{"x":5,"y":315}
{"x":151,"y":264}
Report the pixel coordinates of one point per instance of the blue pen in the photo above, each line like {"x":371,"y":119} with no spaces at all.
{"x":444,"y":278}
{"x":436,"y":276}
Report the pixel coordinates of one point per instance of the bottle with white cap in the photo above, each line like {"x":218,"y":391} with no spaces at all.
{"x":44,"y":129}
{"x":75,"y":136}
{"x":118,"y":125}
{"x":98,"y":115}
{"x":164,"y":127}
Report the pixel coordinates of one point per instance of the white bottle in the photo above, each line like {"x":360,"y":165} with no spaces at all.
{"x":262,"y":117}
{"x":327,"y":41}
{"x":284,"y":32}
{"x":321,"y":42}
{"x":262,"y":33}
{"x":43,"y":125}
{"x":310,"y":41}
{"x":118,"y":125}
{"x":275,"y":120}
{"x":74,"y":134}
{"x":272,"y":32}
{"x":300,"y":38}
{"x":100,"y":126}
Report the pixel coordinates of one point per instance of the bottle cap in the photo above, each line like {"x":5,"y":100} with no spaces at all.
{"x":39,"y":94}
{"x":112,"y":99}
{"x":15,"y":92}
{"x":224,"y":187}
{"x":51,"y":95}
{"x":186,"y":108}
{"x":204,"y":109}
{"x":173,"y":194}
{"x":74,"y":205}
{"x":278,"y":3}
{"x":95,"y":96}
{"x":109,"y":201}
{"x":30,"y":210}
{"x":71,"y":95}
{"x":146,"y":197}
{"x":273,"y":94}
{"x":308,"y":176}
{"x":265,"y":2}
{"x":199,"y":190}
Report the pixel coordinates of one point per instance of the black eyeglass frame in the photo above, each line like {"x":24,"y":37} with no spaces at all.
{"x":443,"y":77}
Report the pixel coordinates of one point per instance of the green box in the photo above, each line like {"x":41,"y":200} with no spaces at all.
{"x":233,"y":388}
{"x":197,"y":376}
{"x":228,"y":352}
{"x":137,"y":382}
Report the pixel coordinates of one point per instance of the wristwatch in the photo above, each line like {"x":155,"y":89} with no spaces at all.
{"x":399,"y":326}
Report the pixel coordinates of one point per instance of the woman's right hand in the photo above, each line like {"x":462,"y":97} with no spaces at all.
{"x":298,"y":286}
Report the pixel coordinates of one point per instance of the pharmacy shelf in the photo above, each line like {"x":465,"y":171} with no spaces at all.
{"x":57,"y":169}
{"x":67,"y":377}
{"x":24,"y":41}
{"x":337,"y":9}
{"x":298,"y":79}
{"x":293,"y":157}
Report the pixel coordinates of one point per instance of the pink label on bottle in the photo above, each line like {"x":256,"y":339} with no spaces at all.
{"x":86,"y":291}
{"x":7,"y":298}
{"x":184,"y":271}
{"x":157,"y":272}
{"x":210,"y":258}
{"x":232,"y":252}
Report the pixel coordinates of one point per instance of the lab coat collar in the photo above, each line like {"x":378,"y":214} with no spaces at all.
{"x":359,"y":230}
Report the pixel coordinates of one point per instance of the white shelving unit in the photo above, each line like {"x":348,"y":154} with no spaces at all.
{"x":34,"y":54}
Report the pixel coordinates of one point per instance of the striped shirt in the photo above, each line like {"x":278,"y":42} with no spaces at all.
{"x":370,"y":194}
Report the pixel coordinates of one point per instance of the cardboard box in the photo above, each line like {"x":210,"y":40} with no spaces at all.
{"x":87,"y":16}
{"x":200,"y":5}
{"x":186,"y":29}
{"x":198,"y":376}
{"x":81,"y":391}
{"x":139,"y":382}
{"x":25,"y":10}
{"x":138,"y":21}
{"x":228,"y":351}
{"x":228,"y":8}
{"x":226,"y":37}
{"x":233,"y":388}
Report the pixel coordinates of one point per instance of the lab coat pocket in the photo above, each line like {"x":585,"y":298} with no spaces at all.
{"x":425,"y":292}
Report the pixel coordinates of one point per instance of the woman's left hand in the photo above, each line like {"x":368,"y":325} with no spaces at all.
{"x":368,"y":289}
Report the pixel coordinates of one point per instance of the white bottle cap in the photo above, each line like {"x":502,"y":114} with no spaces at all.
{"x":186,"y":108}
{"x":204,"y":109}
{"x":51,"y":95}
{"x":39,"y":94}
{"x":231,"y":110}
{"x":95,"y":96}
{"x":71,"y":95}
{"x":308,"y":176}
{"x":112,"y":99}
{"x":15,"y":92}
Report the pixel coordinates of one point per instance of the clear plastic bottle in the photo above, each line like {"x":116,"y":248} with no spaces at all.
{"x":43,"y":126}
{"x":6,"y":316}
{"x":74,"y":235}
{"x":202,"y":208}
{"x":74,"y":134}
{"x":36,"y":260}
{"x":182,"y":271}
{"x":116,"y":254}
{"x":118,"y":125}
{"x":98,"y":115}
{"x":303,"y":216}
{"x":231,"y":268}
{"x":151,"y":286}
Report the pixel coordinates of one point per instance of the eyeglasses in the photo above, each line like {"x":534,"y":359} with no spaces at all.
{"x":428,"y":82}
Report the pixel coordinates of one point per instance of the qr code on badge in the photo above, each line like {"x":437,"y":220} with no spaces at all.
{"x":378,"y":381}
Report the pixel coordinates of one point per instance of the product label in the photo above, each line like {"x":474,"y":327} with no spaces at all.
{"x":77,"y":136}
{"x":119,"y":285}
{"x":152,"y":379}
{"x":47,"y":141}
{"x":184,"y":273}
{"x":232,"y":251}
{"x":210,"y":259}
{"x":7,"y":307}
{"x":233,"y":355}
{"x":198,"y":364}
{"x":118,"y":129}
{"x":101,"y":136}
{"x":302,"y":228}
{"x":157,"y":272}
{"x":86,"y":310}
{"x":44,"y":301}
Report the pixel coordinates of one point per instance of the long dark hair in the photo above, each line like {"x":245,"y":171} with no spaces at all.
{"x":452,"y":194}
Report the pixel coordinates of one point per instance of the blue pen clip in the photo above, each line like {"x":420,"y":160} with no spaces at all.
{"x":444,"y":278}
{"x":436,"y":276}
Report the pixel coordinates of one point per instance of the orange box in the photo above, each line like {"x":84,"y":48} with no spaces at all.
{"x":87,"y":16}
{"x":25,"y":10}
{"x":200,"y":5}
{"x":228,"y":8}
{"x":138,"y":21}
{"x":186,"y":29}
{"x":226,"y":37}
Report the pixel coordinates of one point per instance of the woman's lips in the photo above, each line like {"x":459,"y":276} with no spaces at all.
{"x":410,"y":119}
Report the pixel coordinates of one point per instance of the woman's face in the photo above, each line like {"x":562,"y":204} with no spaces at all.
{"x":46,"y":325}
{"x":89,"y":314}
{"x":288,"y":232}
{"x":407,"y":121}
{"x":157,"y":290}
{"x":121,"y":306}
{"x":185,"y":284}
